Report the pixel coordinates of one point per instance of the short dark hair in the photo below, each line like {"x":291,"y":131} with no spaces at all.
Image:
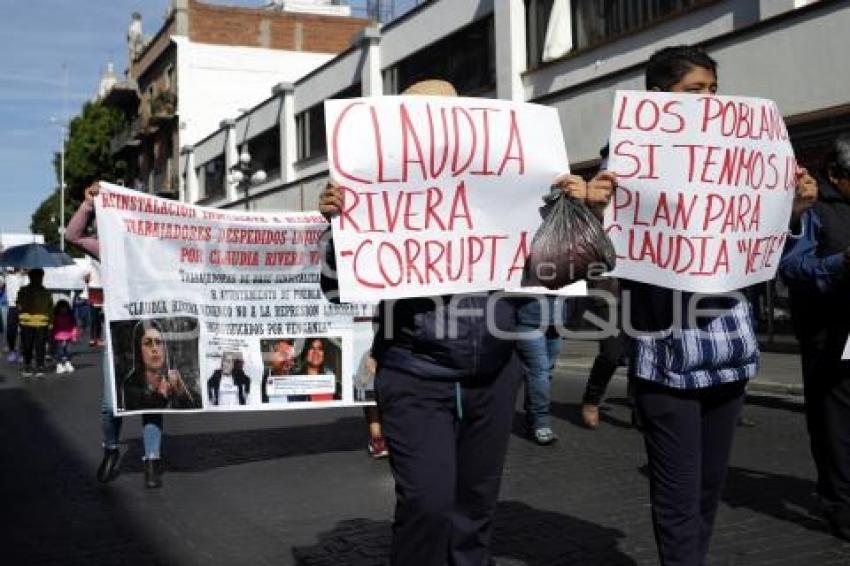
{"x":667,"y":66}
{"x":839,"y":155}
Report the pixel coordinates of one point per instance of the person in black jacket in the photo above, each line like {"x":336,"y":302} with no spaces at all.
{"x":816,"y":266}
{"x":446,"y":386}
{"x":236,"y":384}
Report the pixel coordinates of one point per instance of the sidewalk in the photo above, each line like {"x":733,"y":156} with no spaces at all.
{"x":779,"y":374}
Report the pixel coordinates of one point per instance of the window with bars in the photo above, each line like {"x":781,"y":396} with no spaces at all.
{"x":465,"y":58}
{"x":310,"y":126}
{"x":579,"y":24}
{"x":211,"y":179}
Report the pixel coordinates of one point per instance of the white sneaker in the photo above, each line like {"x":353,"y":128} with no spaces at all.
{"x":68,"y":367}
{"x":60,"y":368}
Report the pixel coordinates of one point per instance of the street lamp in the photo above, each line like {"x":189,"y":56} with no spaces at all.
{"x":244,"y":175}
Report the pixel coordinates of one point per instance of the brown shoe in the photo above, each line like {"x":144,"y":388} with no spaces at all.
{"x":590,"y":415}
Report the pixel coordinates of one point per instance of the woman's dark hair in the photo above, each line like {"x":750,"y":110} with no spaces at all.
{"x":138,"y":334}
{"x":61,"y":303}
{"x":838,"y":161}
{"x":302,"y":357}
{"x":667,"y":66}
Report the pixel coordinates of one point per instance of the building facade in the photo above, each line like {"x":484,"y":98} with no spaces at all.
{"x":569,"y":54}
{"x":209,"y":61}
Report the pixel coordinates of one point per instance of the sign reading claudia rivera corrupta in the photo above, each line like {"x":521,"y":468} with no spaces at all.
{"x":441,"y":194}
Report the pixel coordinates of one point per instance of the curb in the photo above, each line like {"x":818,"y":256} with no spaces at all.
{"x":755,"y":386}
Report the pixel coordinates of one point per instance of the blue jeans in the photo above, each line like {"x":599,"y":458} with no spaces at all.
{"x":111,"y":425}
{"x":62,"y":351}
{"x":538,"y":353}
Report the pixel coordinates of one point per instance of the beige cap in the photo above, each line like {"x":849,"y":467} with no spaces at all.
{"x":431,"y":87}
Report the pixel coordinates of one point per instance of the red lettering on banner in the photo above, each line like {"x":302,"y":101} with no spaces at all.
{"x":736,"y":213}
{"x":648,"y":116}
{"x":701,"y":256}
{"x":335,"y":146}
{"x":427,"y":262}
{"x":520,"y":256}
{"x":379,"y":151}
{"x":435,"y":172}
{"x":389,"y":211}
{"x":485,"y":154}
{"x":638,"y":156}
{"x":191,"y":255}
{"x":514,"y":139}
{"x":738,"y":119}
{"x":761,"y":253}
{"x":433,"y":198}
{"x":456,"y":169}
{"x":408,"y":133}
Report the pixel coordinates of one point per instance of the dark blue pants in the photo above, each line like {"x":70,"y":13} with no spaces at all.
{"x":688,"y":436}
{"x":826,"y":388}
{"x":447,"y":448}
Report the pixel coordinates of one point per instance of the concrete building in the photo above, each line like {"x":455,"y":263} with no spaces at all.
{"x":208,"y":61}
{"x":569,"y":54}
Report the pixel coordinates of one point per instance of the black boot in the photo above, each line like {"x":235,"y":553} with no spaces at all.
{"x":153,"y":473}
{"x":108,"y":468}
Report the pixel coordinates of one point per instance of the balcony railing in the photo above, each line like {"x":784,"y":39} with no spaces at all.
{"x":128,"y":137}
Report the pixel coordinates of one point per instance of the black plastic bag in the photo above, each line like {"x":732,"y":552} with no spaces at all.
{"x":570,"y":241}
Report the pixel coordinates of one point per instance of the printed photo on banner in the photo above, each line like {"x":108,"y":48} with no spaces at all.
{"x":705,"y":189}
{"x":441,"y":194}
{"x":299,"y":369}
{"x":155,"y":363}
{"x":229,"y":385}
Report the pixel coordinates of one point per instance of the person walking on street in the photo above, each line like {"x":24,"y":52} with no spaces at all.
{"x":689,"y":403}
{"x":110,"y":424}
{"x":35,"y":314}
{"x":612,"y":351}
{"x":539,"y":319}
{"x":816,"y":266}
{"x":447,"y":404}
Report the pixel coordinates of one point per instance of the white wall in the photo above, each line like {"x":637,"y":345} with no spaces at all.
{"x":215,"y":81}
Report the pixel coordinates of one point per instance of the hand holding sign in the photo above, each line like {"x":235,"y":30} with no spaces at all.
{"x":330,"y":200}
{"x":805,"y":195}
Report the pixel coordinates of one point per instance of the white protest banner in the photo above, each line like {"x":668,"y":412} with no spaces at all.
{"x":441,"y":195}
{"x":212,"y":309}
{"x":706,"y":185}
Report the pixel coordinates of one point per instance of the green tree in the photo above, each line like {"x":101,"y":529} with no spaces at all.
{"x":87,"y":159}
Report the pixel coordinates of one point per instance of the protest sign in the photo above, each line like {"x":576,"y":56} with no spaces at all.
{"x":706,"y":186}
{"x":212,"y":309}
{"x":441,"y":195}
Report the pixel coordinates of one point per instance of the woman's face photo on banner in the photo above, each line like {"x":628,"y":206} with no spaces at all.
{"x":156,"y":363}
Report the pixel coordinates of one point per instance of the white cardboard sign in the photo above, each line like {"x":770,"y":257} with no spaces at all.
{"x":706,"y":186}
{"x":441,"y":195}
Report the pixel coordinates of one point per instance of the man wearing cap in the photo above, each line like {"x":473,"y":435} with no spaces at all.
{"x":447,"y":402}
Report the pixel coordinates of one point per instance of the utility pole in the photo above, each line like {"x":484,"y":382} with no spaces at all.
{"x":62,"y":125}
